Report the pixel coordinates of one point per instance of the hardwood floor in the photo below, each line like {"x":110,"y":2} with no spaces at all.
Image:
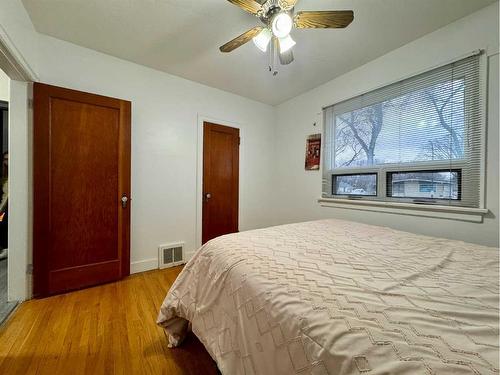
{"x":109,"y":329}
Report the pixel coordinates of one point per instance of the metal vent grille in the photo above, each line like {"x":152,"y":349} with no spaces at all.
{"x":170,"y":255}
{"x":177,"y":254}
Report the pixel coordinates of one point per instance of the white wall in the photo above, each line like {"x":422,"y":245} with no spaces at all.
{"x":4,"y":86}
{"x":297,"y":191}
{"x":165,"y":112}
{"x":164,"y":130}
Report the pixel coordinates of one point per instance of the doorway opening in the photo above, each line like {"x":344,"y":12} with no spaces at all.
{"x":6,"y":307}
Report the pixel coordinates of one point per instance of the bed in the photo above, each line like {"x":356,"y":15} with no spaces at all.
{"x":338,"y":297}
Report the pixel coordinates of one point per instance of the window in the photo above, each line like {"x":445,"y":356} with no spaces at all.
{"x":355,"y":184}
{"x":443,"y":184}
{"x":418,"y":140}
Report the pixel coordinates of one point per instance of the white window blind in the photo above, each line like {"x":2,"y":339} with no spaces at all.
{"x":418,"y":140}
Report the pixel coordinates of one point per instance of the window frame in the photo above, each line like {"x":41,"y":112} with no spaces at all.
{"x":382,"y":170}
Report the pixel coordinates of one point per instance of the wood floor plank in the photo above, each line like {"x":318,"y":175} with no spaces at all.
{"x":109,"y":329}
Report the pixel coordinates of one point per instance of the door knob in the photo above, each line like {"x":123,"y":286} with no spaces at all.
{"x":208,"y":196}
{"x":124,"y":201}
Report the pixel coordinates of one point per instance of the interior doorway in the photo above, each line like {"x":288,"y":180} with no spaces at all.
{"x":20,"y":76}
{"x":5,"y":306}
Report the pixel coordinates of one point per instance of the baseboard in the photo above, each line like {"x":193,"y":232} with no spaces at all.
{"x":144,"y":265}
{"x":152,"y":264}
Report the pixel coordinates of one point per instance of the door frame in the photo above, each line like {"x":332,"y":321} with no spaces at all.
{"x":199,"y":174}
{"x":20,"y":228}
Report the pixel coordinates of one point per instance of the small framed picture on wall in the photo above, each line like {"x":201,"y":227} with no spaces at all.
{"x":313,"y":152}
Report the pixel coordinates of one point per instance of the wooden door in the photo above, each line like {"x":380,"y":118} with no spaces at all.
{"x":220,"y":180}
{"x":81,"y":171}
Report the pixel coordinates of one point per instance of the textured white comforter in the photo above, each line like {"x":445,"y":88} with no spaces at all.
{"x":337,"y":297}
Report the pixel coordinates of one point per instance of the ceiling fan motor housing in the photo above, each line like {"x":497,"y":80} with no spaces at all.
{"x":269,"y":10}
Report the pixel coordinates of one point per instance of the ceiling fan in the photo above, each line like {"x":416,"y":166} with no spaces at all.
{"x":279,"y":18}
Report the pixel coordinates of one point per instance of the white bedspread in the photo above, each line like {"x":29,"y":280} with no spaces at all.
{"x":337,"y":297}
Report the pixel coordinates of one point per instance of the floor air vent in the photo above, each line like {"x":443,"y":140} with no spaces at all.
{"x":170,"y":255}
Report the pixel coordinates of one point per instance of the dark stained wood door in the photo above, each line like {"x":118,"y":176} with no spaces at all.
{"x":220,"y":180}
{"x":81,"y":171}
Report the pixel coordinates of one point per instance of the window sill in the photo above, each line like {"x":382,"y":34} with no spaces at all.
{"x":474,"y":215}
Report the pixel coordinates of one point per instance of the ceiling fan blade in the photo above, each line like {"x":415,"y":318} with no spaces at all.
{"x":329,"y":19}
{"x":240,"y":40}
{"x":250,"y":6}
{"x":286,"y":57}
{"x":287,"y":4}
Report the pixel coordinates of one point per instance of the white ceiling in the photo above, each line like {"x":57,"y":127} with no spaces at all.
{"x":182,"y":37}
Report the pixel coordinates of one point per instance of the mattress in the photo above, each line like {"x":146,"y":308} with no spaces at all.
{"x":338,"y":297}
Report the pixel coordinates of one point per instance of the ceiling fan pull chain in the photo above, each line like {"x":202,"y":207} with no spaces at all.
{"x":275,"y":55}
{"x":272,"y":56}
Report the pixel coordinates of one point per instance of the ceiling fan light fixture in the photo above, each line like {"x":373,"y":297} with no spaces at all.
{"x":279,"y":18}
{"x":286,"y":43}
{"x":281,"y":25}
{"x":262,"y":39}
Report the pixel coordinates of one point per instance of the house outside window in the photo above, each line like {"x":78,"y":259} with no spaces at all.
{"x":418,"y":140}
